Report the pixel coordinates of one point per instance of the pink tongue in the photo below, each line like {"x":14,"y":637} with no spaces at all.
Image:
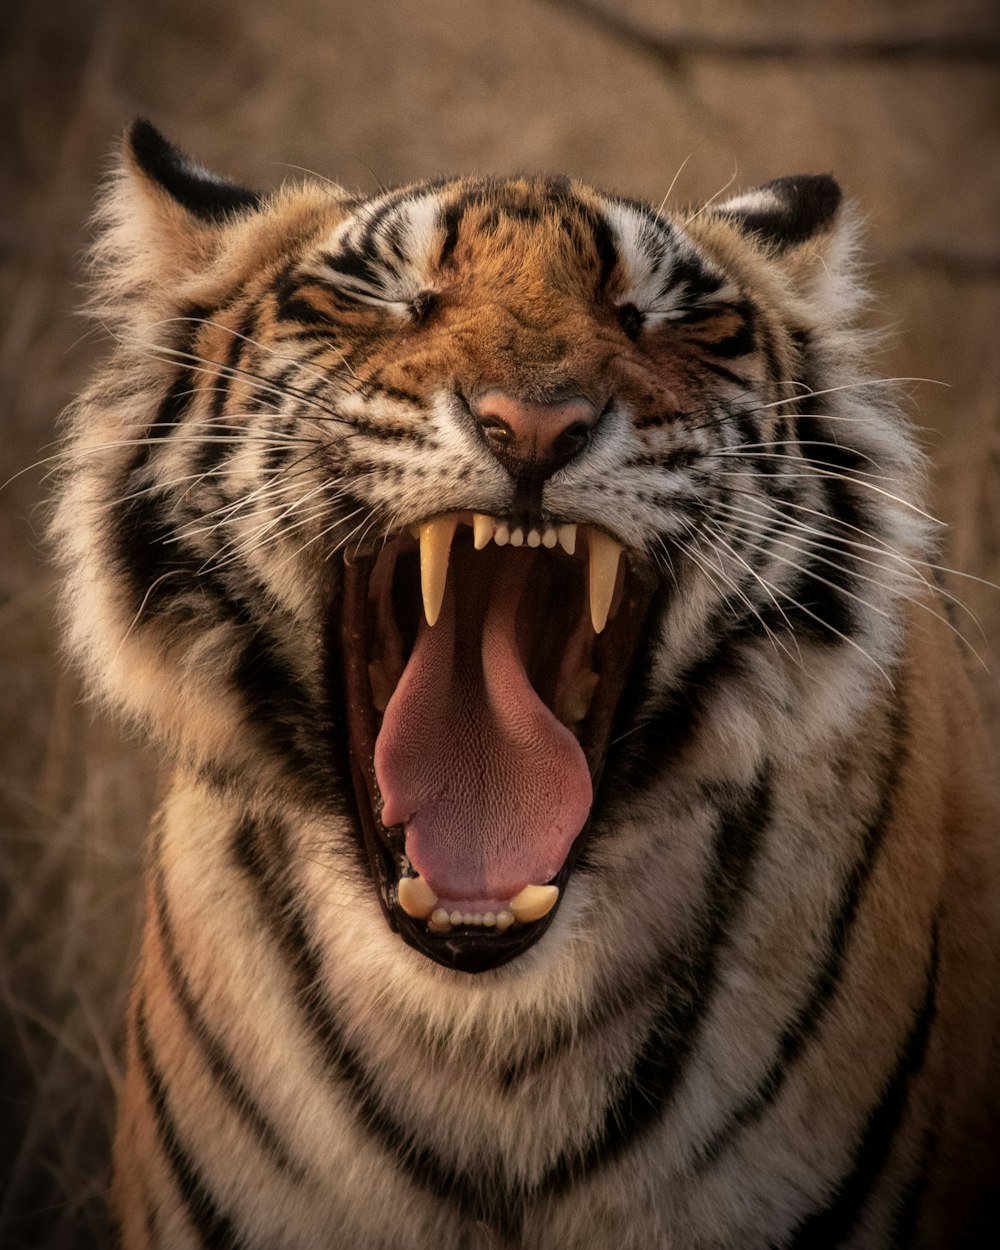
{"x":491,"y":788}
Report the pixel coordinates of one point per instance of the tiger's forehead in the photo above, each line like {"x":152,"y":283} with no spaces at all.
{"x":499,"y":231}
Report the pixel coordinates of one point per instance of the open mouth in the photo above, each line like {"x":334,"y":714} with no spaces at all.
{"x":484,"y":664}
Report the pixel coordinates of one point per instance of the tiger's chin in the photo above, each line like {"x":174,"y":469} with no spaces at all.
{"x":485,"y":663}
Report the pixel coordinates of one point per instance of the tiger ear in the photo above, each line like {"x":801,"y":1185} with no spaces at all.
{"x":162,"y":221}
{"x":167,"y":172}
{"x":786,"y":212}
{"x":810,"y":234}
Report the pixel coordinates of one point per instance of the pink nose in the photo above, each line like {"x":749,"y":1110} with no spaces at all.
{"x":534,"y":438}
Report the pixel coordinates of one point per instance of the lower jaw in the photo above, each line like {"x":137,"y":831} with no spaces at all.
{"x":465,"y":948}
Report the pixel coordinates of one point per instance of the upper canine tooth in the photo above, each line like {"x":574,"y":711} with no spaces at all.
{"x":567,"y":538}
{"x":416,"y":897}
{"x":482,"y":530}
{"x":534,"y":902}
{"x":435,"y":548}
{"x":604,"y":556}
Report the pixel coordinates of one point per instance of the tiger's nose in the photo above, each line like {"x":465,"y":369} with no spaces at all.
{"x":532,"y":439}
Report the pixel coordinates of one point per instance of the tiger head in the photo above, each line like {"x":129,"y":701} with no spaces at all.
{"x":451,"y":509}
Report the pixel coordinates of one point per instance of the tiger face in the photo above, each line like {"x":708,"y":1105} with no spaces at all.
{"x":527,"y":583}
{"x":462,"y":499}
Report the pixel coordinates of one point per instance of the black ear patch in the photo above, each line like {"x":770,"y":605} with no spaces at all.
{"x":788,"y":210}
{"x":204,"y":195}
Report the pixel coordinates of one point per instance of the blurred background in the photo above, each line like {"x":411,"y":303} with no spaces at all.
{"x":899,"y":98}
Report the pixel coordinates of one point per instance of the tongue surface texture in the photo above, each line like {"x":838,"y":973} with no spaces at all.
{"x":490,"y":787}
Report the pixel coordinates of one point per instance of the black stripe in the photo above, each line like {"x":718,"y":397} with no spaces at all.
{"x":687,"y":270}
{"x":289,"y":303}
{"x":604,"y":245}
{"x":646,"y":744}
{"x":138,"y":525}
{"x":295,"y":726}
{"x":215,"y":1230}
{"x":829,"y":974}
{"x":688,"y":977}
{"x":213,"y":451}
{"x":689,"y":981}
{"x":721,"y":371}
{"x":829,"y":1226}
{"x":204,"y":195}
{"x":829,"y":600}
{"x":139,"y":528}
{"x":213,"y":1052}
{"x":353,"y":263}
{"x":451,"y":220}
{"x":906,"y":1223}
{"x":742,"y":341}
{"x":482,"y":1197}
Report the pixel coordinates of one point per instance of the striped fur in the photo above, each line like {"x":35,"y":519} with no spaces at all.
{"x":765,"y":1012}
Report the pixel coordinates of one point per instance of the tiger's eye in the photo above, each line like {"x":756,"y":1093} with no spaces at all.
{"x":631,"y":320}
{"x":423,"y":305}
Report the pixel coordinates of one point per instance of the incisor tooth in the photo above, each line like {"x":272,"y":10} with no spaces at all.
{"x":440,"y":921}
{"x":416,"y":897}
{"x":567,"y":538}
{"x":550,"y":537}
{"x":482,"y":530}
{"x":502,"y":535}
{"x":435,"y":548}
{"x":516,"y":537}
{"x":604,"y":555}
{"x":504,"y":920}
{"x":534,"y":538}
{"x":533,"y":902}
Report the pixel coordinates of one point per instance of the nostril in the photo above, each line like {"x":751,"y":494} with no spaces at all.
{"x":533,"y":438}
{"x":573,"y":439}
{"x":497,"y":432}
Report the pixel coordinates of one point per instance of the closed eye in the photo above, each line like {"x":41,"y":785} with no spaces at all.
{"x":631,"y":320}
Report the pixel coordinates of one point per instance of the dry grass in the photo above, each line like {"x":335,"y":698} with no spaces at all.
{"x":409,"y":89}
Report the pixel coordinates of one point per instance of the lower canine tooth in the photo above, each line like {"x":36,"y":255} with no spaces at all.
{"x":577,"y":699}
{"x":533,"y":902}
{"x":604,"y":556}
{"x":416,"y":897}
{"x":435,"y":548}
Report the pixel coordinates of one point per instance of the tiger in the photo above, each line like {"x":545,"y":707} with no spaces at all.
{"x":580,"y":832}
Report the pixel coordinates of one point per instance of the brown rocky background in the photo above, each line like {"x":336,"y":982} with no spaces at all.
{"x":899,"y":98}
